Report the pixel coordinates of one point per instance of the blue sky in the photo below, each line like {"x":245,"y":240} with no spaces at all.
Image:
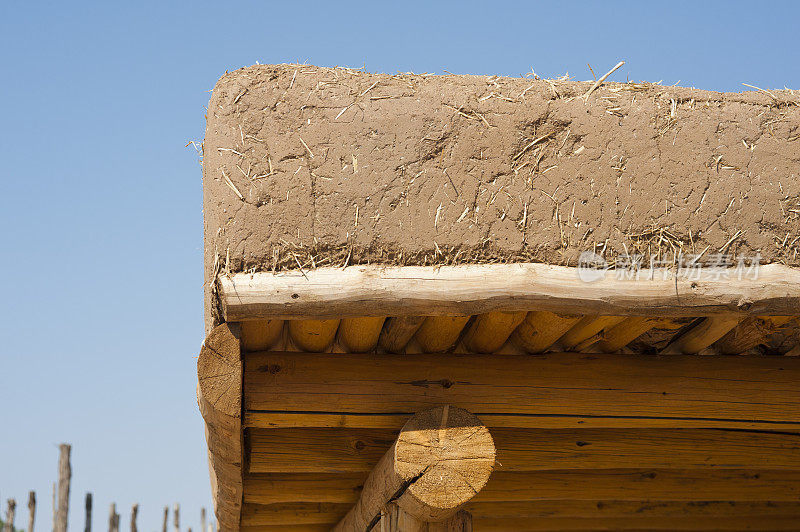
{"x":100,"y":200}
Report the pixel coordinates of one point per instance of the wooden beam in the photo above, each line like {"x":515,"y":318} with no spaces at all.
{"x":578,"y":524}
{"x":652,"y":508}
{"x":358,"y":450}
{"x":395,"y":421}
{"x":640,"y":389}
{"x":440,"y":460}
{"x":440,"y":333}
{"x":540,"y":329}
{"x":625,"y":332}
{"x":313,"y":335}
{"x":623,"y":484}
{"x":288,"y":528}
{"x":219,"y":395}
{"x":359,"y":335}
{"x":302,"y":513}
{"x":587,"y":331}
{"x":488,"y":332}
{"x":398,"y":331}
{"x":632,"y":523}
{"x":702,"y":335}
{"x":374,"y":290}
{"x":752,"y":331}
{"x":260,"y":335}
{"x":394,"y":519}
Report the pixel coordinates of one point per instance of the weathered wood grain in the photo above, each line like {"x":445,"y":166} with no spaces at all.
{"x":638,"y":389}
{"x":358,"y":450}
{"x":488,"y":332}
{"x":701,"y":335}
{"x":219,"y":395}
{"x":476,"y":289}
{"x":623,"y":484}
{"x":359,"y":335}
{"x":554,"y":511}
{"x":440,"y":460}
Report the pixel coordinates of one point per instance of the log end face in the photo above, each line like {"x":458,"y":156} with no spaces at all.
{"x":219,"y":371}
{"x":446,"y":455}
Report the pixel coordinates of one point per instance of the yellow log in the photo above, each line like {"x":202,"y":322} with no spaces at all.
{"x":586,"y":328}
{"x":702,"y":335}
{"x":440,"y":333}
{"x":752,"y":331}
{"x":398,"y":331}
{"x":313,"y":335}
{"x":490,"y":331}
{"x":625,"y":332}
{"x":540,"y":329}
{"x":260,"y":335}
{"x":359,"y":335}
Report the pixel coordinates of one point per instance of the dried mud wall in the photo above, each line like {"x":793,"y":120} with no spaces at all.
{"x":317,"y":166}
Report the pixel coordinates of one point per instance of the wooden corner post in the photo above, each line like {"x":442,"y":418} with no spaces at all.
{"x":219,"y":396}
{"x":441,"y":459}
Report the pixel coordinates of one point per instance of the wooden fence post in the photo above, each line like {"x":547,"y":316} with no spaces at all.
{"x":88,"y":526}
{"x":64,"y":475}
{"x":55,"y":506}
{"x":203,"y":520}
{"x":8,"y":526}
{"x":134,"y":513}
{"x":166,"y":519}
{"x":113,"y":519}
{"x":177,"y":521}
{"x":31,"y":509}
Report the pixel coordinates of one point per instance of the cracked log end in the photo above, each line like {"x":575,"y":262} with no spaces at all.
{"x":219,"y":396}
{"x":446,"y":456}
{"x":219,"y":371}
{"x":440,"y":460}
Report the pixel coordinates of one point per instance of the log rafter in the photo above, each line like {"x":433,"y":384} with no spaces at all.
{"x":440,"y":460}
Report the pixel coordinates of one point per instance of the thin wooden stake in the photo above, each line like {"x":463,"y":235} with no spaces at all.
{"x":55,"y":506}
{"x":134,"y":514}
{"x":31,"y":509}
{"x":8,"y":526}
{"x":202,"y":520}
{"x":166,"y":519}
{"x":177,"y":517}
{"x":88,"y":526}
{"x":113,"y":519}
{"x":64,"y":476}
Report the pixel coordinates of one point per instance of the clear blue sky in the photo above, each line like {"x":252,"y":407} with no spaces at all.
{"x":100,"y":202}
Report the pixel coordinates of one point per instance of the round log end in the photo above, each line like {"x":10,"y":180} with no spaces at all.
{"x":445,"y":456}
{"x":219,"y":372}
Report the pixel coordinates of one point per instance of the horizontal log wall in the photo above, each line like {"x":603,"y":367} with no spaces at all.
{"x":620,"y":484}
{"x":628,"y":390}
{"x":641,"y":512}
{"x":309,"y":450}
{"x":583,"y":441}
